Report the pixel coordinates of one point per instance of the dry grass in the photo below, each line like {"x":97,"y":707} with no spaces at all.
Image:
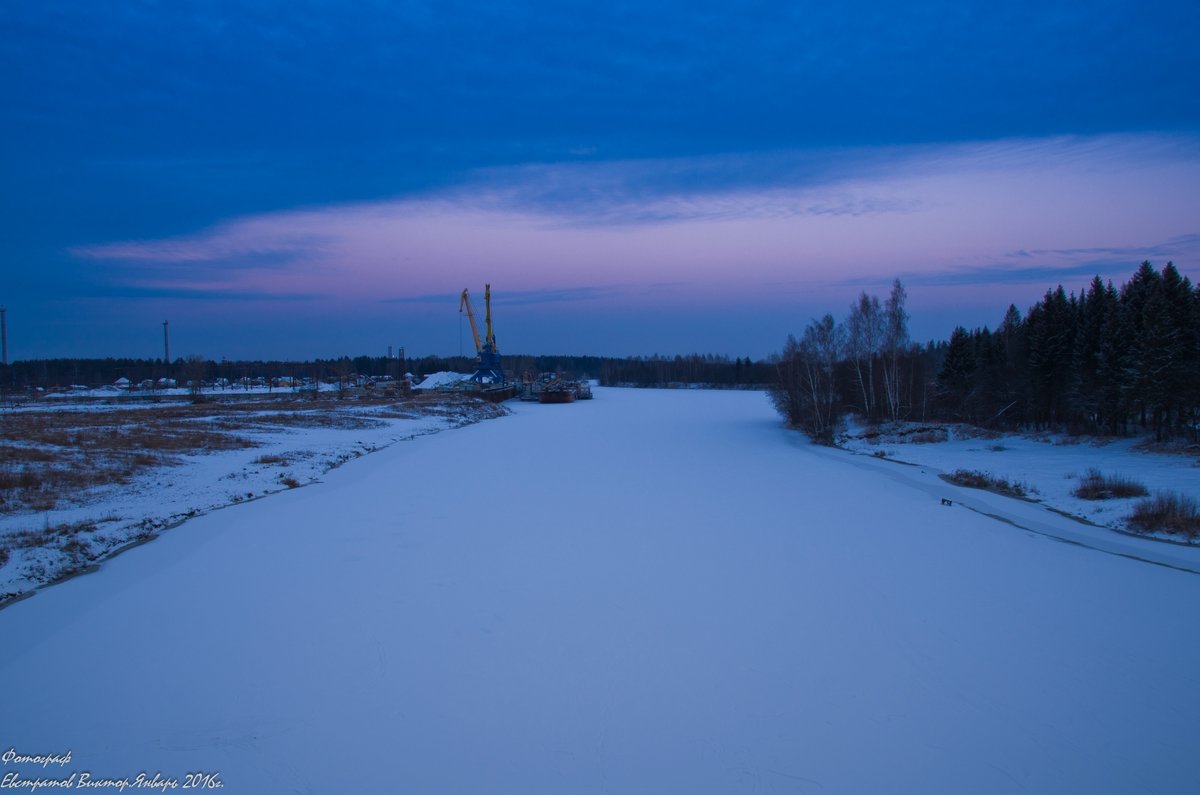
{"x":64,"y":536}
{"x":901,"y":434}
{"x":1174,"y":447}
{"x":975,"y":432}
{"x":1095,"y":486}
{"x":975,"y":479}
{"x":39,"y":485}
{"x":71,"y":539}
{"x":1167,"y":512}
{"x":393,"y":414}
{"x":266,"y":421}
{"x":56,"y":455}
{"x":271,"y":459}
{"x":51,"y":457}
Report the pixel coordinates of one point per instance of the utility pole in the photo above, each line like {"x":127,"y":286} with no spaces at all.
{"x":4,"y":334}
{"x":166,"y":346}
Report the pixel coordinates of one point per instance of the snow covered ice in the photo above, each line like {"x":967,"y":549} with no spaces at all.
{"x":654,"y":591}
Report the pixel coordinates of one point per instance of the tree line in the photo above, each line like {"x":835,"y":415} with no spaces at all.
{"x":1108,"y":361}
{"x":652,"y":371}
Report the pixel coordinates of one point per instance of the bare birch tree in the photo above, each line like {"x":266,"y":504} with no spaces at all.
{"x":863,"y":341}
{"x":894,"y":345}
{"x":806,"y":392}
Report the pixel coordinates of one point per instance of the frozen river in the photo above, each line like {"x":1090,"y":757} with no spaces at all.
{"x":651,"y":592}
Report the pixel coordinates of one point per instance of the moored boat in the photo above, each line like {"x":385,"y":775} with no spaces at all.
{"x":557,"y":392}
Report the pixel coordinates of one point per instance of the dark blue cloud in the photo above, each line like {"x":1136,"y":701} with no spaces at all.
{"x":659,"y":190}
{"x":1173,"y":247}
{"x":534,"y":78}
{"x":207,"y":265}
{"x":246,"y":106}
{"x":197,"y":294}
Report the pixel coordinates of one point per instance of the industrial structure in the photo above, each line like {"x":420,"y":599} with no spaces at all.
{"x":488,"y":368}
{"x":489,"y":380}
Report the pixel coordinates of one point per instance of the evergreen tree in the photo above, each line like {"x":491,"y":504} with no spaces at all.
{"x":1113,"y":368}
{"x":1050,"y":335}
{"x":1087,"y":382}
{"x":1140,"y":300}
{"x":955,"y":378}
{"x":1178,"y":358}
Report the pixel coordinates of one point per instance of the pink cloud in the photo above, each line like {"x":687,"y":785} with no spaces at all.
{"x":931,"y":210}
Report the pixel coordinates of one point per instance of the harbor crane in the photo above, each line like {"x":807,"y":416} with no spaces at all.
{"x":488,"y":369}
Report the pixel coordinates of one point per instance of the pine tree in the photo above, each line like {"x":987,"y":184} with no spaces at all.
{"x":955,"y":378}
{"x":1112,"y":379}
{"x":1015,"y":376}
{"x":1179,"y":359}
{"x":1140,"y":300}
{"x":1086,"y":382}
{"x":1051,"y":327}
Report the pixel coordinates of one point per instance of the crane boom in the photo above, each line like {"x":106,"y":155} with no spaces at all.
{"x":465,"y":303}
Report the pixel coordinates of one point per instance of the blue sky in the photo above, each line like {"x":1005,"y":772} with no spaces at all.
{"x":306,"y":179}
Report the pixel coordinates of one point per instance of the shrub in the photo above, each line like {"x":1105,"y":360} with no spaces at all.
{"x":289,"y":481}
{"x":1095,"y":486}
{"x":75,"y":547}
{"x":271,"y":459}
{"x":975,"y":479}
{"x":1167,"y":512}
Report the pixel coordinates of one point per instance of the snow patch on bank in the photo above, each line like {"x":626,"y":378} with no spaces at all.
{"x":1050,"y":464}
{"x":47,"y":546}
{"x":444,"y":378}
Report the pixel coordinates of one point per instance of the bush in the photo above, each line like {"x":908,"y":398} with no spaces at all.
{"x":985,"y":480}
{"x":271,"y":459}
{"x":1095,"y":486}
{"x":1167,"y":512}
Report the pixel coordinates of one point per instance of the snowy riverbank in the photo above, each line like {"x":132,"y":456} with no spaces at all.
{"x":1049,"y":466}
{"x":256,"y":449}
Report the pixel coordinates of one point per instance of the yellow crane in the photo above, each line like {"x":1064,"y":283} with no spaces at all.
{"x":489,"y":369}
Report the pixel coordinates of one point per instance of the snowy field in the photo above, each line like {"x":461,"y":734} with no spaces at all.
{"x":272,"y":445}
{"x":1050,"y":465}
{"x":651,"y":592}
